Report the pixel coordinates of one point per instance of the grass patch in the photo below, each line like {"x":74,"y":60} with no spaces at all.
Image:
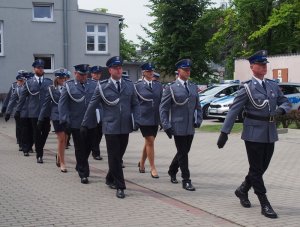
{"x":237,"y":127}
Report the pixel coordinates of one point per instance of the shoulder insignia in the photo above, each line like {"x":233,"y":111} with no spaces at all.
{"x":127,"y":79}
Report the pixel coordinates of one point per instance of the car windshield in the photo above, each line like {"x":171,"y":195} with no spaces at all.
{"x":211,"y":90}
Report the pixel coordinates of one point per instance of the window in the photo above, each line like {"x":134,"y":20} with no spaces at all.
{"x":96,"y":38}
{"x":1,"y":38}
{"x":42,"y":11}
{"x":49,"y":61}
{"x":289,"y":89}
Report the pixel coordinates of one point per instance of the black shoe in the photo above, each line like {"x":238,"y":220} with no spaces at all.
{"x":98,"y":157}
{"x":154,"y":176}
{"x":111,"y":185}
{"x":173,"y":179}
{"x":268,"y":211}
{"x":40,"y":160}
{"x":188,"y":186}
{"x":243,"y":196}
{"x":84,"y":180}
{"x":120,"y":194}
{"x":26,"y":154}
{"x":140,"y":170}
{"x":20,"y":149}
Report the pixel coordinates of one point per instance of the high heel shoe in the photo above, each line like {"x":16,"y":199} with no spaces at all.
{"x":63,"y":170}
{"x":56,"y":160}
{"x":141,"y":170}
{"x":154,"y":176}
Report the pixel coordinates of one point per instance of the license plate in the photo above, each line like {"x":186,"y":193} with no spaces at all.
{"x":213,"y":110}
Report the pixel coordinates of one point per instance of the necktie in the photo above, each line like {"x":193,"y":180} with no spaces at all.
{"x":264,"y":85}
{"x":186,"y":88}
{"x":150,"y":86}
{"x":40,"y":81}
{"x":118,"y":86}
{"x":83,"y":86}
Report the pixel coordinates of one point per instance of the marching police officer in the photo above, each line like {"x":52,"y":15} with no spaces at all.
{"x":96,"y":75}
{"x":180,"y":101}
{"x":73,"y":102}
{"x":51,"y":106}
{"x":262,"y":100}
{"x":149,"y":93}
{"x":121,"y":116}
{"x":13,"y":99}
{"x":35,"y":90}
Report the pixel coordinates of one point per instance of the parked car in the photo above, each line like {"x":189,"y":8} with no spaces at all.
{"x":220,"y":107}
{"x":214,"y":92}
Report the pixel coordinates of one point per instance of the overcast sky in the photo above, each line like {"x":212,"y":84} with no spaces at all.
{"x":135,"y":13}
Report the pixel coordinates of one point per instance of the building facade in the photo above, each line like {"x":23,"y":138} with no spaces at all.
{"x":285,"y":68}
{"x":56,"y":31}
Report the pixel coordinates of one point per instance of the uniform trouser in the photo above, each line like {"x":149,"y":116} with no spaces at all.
{"x":82,"y":151}
{"x":116,"y":147}
{"x":40,"y":135}
{"x":97,"y":139}
{"x":26,"y":139}
{"x":259,"y":157}
{"x":18,"y":129}
{"x":181,"y":159}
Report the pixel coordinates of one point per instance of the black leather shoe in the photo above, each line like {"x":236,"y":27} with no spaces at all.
{"x":26,"y":154}
{"x":84,"y":180}
{"x":20,"y":148}
{"x":111,"y":185}
{"x":173,"y":179}
{"x":188,"y":186}
{"x":98,"y":157}
{"x":154,"y":176}
{"x":243,"y":196}
{"x":141,"y":170}
{"x":40,"y":160}
{"x":268,"y":211}
{"x":120,"y":194}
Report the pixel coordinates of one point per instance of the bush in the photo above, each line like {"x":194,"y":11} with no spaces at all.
{"x":287,"y":119}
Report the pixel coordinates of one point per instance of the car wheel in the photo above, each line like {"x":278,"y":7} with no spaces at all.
{"x":205,"y":111}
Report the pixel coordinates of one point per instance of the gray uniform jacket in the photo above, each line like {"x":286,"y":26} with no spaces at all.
{"x":13,"y":101}
{"x":149,"y":100}
{"x":181,"y":109}
{"x":119,"y":116}
{"x":74,"y":101}
{"x":9,"y":94}
{"x":256,"y":130}
{"x":51,"y":104}
{"x":36,"y":96}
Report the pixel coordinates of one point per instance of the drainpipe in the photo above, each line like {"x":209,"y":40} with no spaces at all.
{"x":65,"y":32}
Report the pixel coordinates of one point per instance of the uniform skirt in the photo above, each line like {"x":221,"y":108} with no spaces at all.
{"x":58,"y":127}
{"x":149,"y":130}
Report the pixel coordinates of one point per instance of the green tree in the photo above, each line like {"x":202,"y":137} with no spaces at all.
{"x":127,"y":47}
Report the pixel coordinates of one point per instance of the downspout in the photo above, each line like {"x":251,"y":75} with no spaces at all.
{"x":65,"y":32}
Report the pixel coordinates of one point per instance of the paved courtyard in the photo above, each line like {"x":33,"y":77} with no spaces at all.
{"x":40,"y":195}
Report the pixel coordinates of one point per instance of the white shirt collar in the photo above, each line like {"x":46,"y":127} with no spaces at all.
{"x":259,"y":80}
{"x":147,"y":81}
{"x":182,"y":81}
{"x":37,"y":78}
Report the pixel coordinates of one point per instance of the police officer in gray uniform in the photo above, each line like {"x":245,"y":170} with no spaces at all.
{"x":73,"y":102}
{"x":96,"y":76}
{"x":35,"y":90}
{"x":121,"y":116}
{"x":180,"y":114}
{"x":261,"y":100}
{"x":149,"y":94}
{"x":9,"y":107}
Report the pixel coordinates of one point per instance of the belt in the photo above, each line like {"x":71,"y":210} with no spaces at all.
{"x":260,"y":118}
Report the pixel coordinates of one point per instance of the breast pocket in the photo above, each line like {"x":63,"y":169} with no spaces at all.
{"x":259,"y":98}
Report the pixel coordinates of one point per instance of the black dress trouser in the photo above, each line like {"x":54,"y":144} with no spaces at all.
{"x":82,"y":150}
{"x":116,"y":147}
{"x":181,"y":159}
{"x":96,"y":140}
{"x":259,"y":157}
{"x":40,"y":135}
{"x":18,"y":130}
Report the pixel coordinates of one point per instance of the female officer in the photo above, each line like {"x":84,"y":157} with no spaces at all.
{"x":51,"y":105}
{"x":149,"y":93}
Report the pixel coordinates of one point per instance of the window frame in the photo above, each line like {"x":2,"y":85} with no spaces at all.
{"x":37,"y":4}
{"x":45,"y":56}
{"x":2,"y":39}
{"x":96,"y":35}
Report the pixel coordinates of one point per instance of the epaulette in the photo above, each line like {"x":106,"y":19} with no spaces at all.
{"x":68,"y":81}
{"x":138,"y":81}
{"x":103,"y":81}
{"x":246,"y":82}
{"x":156,"y":81}
{"x":127,"y":79}
{"x":271,"y":80}
{"x":192,"y":83}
